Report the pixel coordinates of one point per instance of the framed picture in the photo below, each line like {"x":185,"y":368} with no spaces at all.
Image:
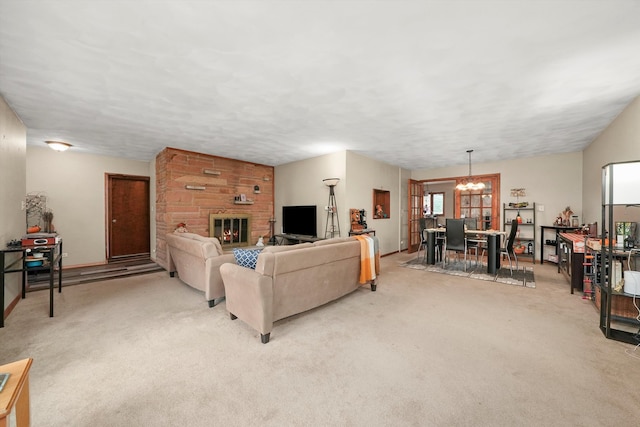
{"x":243,"y":197}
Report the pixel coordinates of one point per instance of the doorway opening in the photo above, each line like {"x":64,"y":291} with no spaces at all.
{"x":431,"y":201}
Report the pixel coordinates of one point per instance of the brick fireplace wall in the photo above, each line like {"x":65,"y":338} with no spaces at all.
{"x":224,"y":180}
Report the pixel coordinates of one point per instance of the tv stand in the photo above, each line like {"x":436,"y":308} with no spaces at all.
{"x":292,"y":239}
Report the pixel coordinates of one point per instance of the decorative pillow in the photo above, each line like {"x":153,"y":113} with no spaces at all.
{"x":246,"y":257}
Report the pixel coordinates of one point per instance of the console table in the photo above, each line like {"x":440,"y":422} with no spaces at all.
{"x":571,"y":259}
{"x":292,"y":239}
{"x":52,"y":258}
{"x":361,"y":232}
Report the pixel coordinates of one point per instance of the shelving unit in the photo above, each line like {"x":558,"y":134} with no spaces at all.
{"x":618,"y":321}
{"x":526,"y":229}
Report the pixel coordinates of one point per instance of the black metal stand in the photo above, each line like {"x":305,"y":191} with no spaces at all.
{"x":332,"y":215}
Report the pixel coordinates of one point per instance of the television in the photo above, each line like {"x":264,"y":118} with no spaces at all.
{"x":299,"y":220}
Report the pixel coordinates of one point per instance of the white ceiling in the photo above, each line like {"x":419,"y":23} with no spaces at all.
{"x":410,"y":83}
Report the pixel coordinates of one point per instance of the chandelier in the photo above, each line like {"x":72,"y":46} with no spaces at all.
{"x":468,"y":184}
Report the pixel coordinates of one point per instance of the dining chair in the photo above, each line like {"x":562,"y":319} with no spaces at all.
{"x":455,"y":240}
{"x":508,"y":247}
{"x":423,"y":237}
{"x":475,"y":242}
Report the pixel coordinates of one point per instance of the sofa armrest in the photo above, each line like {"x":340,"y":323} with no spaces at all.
{"x":215,"y":285}
{"x":249,"y":296}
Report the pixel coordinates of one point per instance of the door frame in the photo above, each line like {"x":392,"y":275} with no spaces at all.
{"x":108,"y":210}
{"x":415,"y":203}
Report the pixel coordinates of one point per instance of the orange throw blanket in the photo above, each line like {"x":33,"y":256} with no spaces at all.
{"x":369,"y":258}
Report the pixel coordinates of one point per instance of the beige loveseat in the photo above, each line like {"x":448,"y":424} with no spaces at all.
{"x":197,"y":260}
{"x":292,"y":279}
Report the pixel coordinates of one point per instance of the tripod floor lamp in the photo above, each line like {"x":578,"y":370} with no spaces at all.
{"x":332,"y":210}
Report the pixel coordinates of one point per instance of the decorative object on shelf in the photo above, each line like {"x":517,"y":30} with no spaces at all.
{"x":35,"y":205}
{"x":260,"y":241}
{"x":47,"y":219}
{"x":518,"y":247}
{"x":381,"y":203}
{"x":332,"y":209}
{"x":468,"y":184}
{"x":575,"y":222}
{"x":566,"y":216}
{"x":243,"y":197}
{"x":517,"y":193}
{"x":58,"y":145}
{"x":358,"y":219}
{"x":256,"y":189}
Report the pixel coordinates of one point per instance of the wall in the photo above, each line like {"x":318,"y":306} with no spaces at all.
{"x":300,"y":183}
{"x":619,"y":142}
{"x":13,"y":137}
{"x":74,"y":184}
{"x":363,"y":176}
{"x":553,"y":182}
{"x":174,"y":204}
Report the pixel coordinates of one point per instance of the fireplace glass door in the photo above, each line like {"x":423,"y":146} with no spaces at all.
{"x":231,"y":231}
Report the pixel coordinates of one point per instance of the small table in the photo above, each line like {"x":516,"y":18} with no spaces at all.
{"x":53,"y":256}
{"x":16,"y":394}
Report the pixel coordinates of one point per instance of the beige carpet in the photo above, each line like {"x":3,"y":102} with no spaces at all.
{"x":426,"y":349}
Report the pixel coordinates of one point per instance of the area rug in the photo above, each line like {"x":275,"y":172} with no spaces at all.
{"x":521,"y":277}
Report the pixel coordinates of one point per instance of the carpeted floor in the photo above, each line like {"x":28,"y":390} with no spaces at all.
{"x":521,"y":277}
{"x":425,"y":349}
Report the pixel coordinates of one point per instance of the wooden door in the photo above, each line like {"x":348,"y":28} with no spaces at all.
{"x":128,"y":218}
{"x":481,"y":204}
{"x":416,"y":197}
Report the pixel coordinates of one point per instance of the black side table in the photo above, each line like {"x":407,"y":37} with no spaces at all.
{"x":53,"y":256}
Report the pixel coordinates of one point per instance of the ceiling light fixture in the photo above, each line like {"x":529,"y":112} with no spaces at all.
{"x":468,"y":184}
{"x":58,"y":145}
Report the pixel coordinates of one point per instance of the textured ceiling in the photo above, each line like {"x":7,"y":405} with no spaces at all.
{"x":410,"y":83}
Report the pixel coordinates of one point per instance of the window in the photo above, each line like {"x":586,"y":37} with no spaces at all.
{"x":433,"y":204}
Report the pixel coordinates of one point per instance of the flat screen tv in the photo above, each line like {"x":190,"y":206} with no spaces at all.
{"x":299,"y":220}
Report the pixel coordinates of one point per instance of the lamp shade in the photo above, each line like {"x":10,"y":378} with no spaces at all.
{"x":331,"y":182}
{"x":58,"y":145}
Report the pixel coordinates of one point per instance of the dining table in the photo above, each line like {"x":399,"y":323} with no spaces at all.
{"x":493,"y":245}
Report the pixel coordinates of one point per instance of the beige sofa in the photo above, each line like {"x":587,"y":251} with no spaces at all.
{"x":292,"y":279}
{"x":197,"y":260}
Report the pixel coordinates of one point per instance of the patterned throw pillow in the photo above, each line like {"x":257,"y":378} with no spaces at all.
{"x":246,"y":257}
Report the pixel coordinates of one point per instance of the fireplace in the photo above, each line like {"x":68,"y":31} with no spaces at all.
{"x":232,"y":230}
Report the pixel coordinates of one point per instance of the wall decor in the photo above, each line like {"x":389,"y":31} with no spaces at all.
{"x":381,"y":204}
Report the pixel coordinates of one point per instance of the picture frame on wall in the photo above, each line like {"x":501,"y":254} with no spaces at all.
{"x":243,"y":197}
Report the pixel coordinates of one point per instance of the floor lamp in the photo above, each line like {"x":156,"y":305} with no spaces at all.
{"x":332,"y":209}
